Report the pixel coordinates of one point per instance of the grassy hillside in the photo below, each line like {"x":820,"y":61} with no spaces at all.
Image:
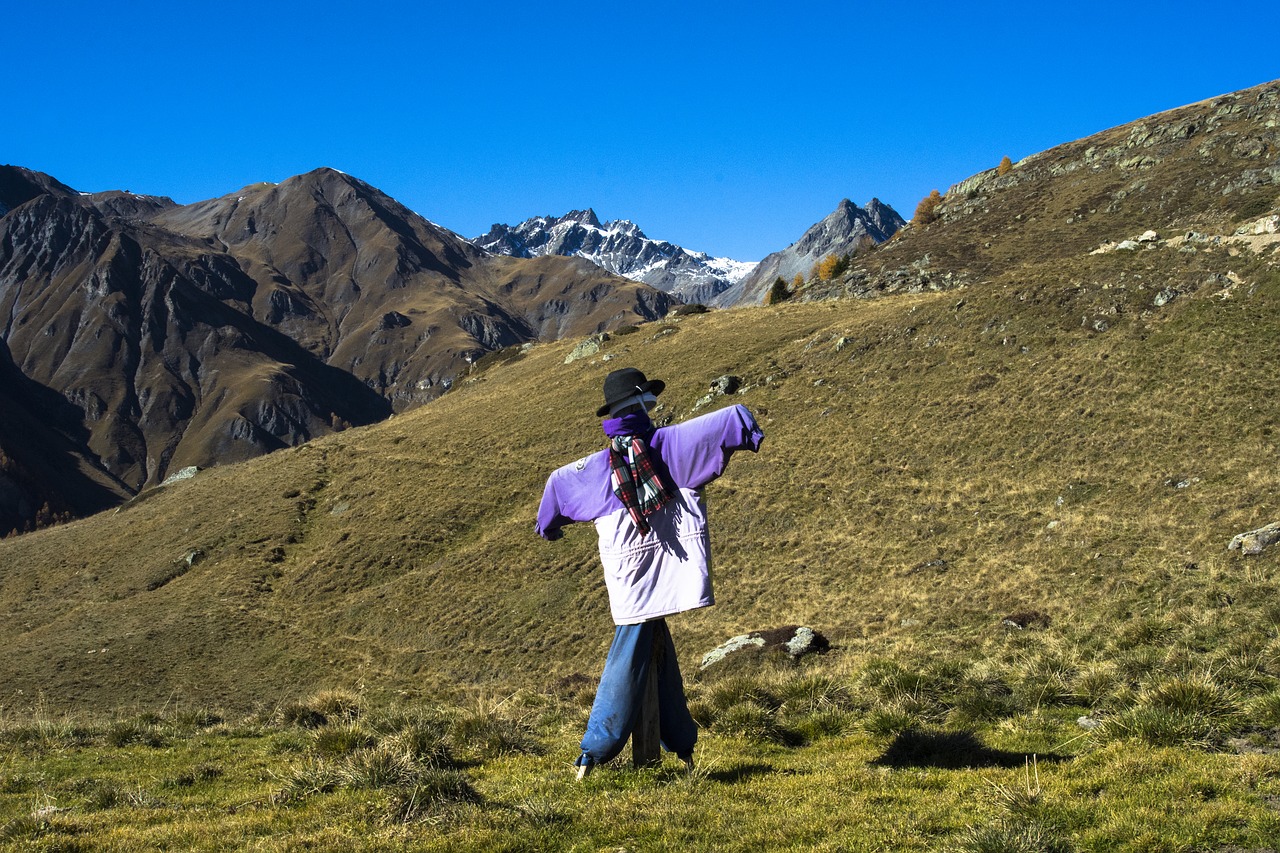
{"x":1048,"y":466}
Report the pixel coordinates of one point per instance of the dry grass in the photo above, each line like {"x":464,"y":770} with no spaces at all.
{"x":932,"y":464}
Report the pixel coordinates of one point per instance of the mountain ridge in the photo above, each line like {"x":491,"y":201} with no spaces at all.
{"x":212,"y":332}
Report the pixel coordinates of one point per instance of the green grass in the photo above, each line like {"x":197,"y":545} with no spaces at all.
{"x":434,"y":777}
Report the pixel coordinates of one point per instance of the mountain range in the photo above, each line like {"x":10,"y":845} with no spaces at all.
{"x":141,"y":336}
{"x":621,"y":247}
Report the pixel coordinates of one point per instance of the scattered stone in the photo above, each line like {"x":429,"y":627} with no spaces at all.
{"x":1126,"y":246}
{"x":726,"y":385}
{"x":795,"y":641}
{"x":1165,"y":296}
{"x":1252,"y":542}
{"x":939,"y":565}
{"x":1149,"y":237}
{"x":586,"y":348}
{"x":1088,"y":723}
{"x":1027,"y":619}
{"x":741,"y":641}
{"x":1259,"y":227}
{"x":340,"y":508}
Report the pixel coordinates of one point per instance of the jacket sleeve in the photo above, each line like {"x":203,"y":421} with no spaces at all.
{"x":550,"y":518}
{"x":697,"y":451}
{"x":578,"y":491}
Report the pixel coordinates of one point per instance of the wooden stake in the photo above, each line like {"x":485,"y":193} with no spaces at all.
{"x":646,"y":740}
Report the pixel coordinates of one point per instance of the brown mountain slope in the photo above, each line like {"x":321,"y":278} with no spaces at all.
{"x":214,"y":332}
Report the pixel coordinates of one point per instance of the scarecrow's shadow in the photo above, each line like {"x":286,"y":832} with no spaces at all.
{"x":951,"y":750}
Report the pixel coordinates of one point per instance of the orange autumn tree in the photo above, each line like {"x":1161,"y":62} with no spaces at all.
{"x":927,"y":209}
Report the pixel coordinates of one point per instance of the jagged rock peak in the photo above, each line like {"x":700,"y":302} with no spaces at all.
{"x":582,"y":217}
{"x":842,"y":230}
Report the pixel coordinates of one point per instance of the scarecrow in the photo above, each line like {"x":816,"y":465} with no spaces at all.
{"x":644,"y":494}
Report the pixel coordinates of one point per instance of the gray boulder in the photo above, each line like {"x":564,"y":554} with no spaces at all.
{"x":795,"y":641}
{"x":587,"y":348}
{"x":1252,"y":542}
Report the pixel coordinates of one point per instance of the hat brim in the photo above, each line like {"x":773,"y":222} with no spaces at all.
{"x":652,"y":386}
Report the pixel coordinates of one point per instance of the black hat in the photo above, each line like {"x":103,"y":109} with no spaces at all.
{"x":624,"y":383}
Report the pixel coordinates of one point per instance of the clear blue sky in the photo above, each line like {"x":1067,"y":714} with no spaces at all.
{"x":724,"y":127}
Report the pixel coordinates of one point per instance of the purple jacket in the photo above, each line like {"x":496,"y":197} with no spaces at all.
{"x":667,"y":571}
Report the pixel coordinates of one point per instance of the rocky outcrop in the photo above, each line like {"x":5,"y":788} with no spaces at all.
{"x":1254,"y":542}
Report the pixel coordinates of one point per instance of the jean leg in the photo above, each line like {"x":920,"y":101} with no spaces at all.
{"x":616,"y":708}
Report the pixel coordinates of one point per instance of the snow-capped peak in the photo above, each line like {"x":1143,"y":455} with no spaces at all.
{"x":622,"y":248}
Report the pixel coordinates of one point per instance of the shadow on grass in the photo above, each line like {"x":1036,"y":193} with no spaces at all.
{"x":953,"y":750}
{"x":741,"y":772}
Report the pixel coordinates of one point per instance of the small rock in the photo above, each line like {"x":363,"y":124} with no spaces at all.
{"x":1087,"y":722}
{"x":1165,"y":296}
{"x":1148,"y":237}
{"x":1027,"y":619}
{"x":1127,"y":246}
{"x":726,"y":385}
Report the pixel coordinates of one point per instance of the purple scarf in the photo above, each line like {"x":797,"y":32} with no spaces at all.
{"x":632,"y":476}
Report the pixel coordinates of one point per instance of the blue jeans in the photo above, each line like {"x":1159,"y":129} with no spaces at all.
{"x":616,"y":709}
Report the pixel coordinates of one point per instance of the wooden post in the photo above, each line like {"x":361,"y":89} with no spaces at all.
{"x":646,"y":740}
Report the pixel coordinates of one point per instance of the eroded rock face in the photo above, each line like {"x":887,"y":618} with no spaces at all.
{"x":202,"y":334}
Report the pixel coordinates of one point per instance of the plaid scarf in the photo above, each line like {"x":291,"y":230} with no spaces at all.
{"x":634,"y":480}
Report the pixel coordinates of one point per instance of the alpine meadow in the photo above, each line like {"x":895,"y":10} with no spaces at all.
{"x":1006,"y":452}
